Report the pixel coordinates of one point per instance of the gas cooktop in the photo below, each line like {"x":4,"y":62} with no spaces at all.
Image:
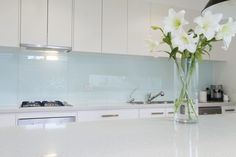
{"x":43,"y":104}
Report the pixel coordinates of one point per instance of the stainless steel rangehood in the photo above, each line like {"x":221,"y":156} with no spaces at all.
{"x":45,"y":48}
{"x":46,"y":25}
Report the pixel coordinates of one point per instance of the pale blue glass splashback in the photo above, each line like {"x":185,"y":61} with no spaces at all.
{"x":82,"y":78}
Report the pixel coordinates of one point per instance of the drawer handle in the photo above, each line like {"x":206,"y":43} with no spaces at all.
{"x":157,"y":113}
{"x":109,"y":115}
{"x":170,"y":112}
{"x":230,"y":110}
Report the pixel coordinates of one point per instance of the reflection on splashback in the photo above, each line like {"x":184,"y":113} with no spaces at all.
{"x":80,"y":78}
{"x":111,"y":78}
{"x":8,"y":78}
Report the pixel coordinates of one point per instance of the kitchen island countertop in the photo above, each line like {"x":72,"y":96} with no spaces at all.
{"x":98,"y":106}
{"x":213,"y":136}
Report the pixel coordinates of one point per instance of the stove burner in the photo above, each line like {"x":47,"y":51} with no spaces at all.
{"x":42,"y":104}
{"x":52,"y":103}
{"x":31,"y":104}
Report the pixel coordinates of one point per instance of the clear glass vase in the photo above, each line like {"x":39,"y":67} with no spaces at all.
{"x":186,"y":82}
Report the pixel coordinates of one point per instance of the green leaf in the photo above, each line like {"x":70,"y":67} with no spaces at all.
{"x":167,"y":39}
{"x":198,"y":56}
{"x":206,"y":52}
{"x":167,"y":52}
{"x":190,"y":31}
{"x":174,"y":52}
{"x":183,"y":61}
{"x":210,"y":47}
{"x":158,"y":28}
{"x":155,"y":27}
{"x":193,"y":64}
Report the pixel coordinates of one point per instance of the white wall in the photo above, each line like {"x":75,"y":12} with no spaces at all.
{"x":225,"y":72}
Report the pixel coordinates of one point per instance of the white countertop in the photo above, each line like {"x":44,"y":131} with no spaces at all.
{"x":213,"y":136}
{"x":97,"y":106}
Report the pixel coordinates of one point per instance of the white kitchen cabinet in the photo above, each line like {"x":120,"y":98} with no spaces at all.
{"x":138,"y":27}
{"x":60,"y":22}
{"x":88,"y":26}
{"x":9,"y":25}
{"x":156,"y":112}
{"x":44,"y":119}
{"x":228,"y":109}
{"x":216,"y":56}
{"x":114,"y":26}
{"x":217,"y":53}
{"x":45,"y":114}
{"x":157,"y":14}
{"x":152,"y":112}
{"x":7,"y":120}
{"x":34,"y":22}
{"x":99,"y":115}
{"x":46,"y":22}
{"x":169,"y":112}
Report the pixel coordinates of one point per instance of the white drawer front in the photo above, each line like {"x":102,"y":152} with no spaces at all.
{"x":7,"y":120}
{"x":148,"y":113}
{"x":107,"y":115}
{"x":45,"y":122}
{"x":170,"y":112}
{"x":228,"y":109}
{"x":45,"y":114}
{"x":45,"y":119}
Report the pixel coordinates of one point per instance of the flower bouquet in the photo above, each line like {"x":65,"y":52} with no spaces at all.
{"x":186,"y":49}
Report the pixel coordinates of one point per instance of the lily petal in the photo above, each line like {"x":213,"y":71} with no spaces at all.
{"x":208,"y":24}
{"x":174,"y":22}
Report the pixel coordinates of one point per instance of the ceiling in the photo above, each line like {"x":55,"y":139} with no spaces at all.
{"x":188,"y":4}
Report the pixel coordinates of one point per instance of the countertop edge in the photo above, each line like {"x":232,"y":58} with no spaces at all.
{"x":91,"y":107}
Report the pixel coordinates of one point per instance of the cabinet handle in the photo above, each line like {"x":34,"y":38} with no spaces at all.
{"x":157,"y":113}
{"x":230,"y":110}
{"x":170,"y":112}
{"x":109,"y":115}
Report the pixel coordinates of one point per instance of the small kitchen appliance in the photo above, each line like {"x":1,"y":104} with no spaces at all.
{"x":215,"y":93}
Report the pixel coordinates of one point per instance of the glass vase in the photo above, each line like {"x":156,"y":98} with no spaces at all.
{"x":186,"y":82}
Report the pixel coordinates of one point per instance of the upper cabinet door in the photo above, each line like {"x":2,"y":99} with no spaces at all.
{"x":88,"y":26}
{"x":114,"y":27}
{"x":157,"y":14}
{"x":217,"y":53}
{"x":9,"y":32}
{"x":138,"y":26}
{"x":34,"y":22}
{"x":46,"y":22}
{"x":60,"y":22}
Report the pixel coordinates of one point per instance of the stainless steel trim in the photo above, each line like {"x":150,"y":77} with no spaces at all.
{"x":210,"y":110}
{"x":149,"y":97}
{"x":157,"y":113}
{"x":229,"y":110}
{"x":45,"y":120}
{"x":109,"y":115}
{"x":45,"y":47}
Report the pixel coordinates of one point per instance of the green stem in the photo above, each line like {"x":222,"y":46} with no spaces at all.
{"x":185,"y":79}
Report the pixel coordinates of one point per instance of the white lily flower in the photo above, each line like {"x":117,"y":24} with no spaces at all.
{"x":152,"y":45}
{"x":208,"y":24}
{"x":226,"y":32}
{"x":185,"y":42}
{"x":174,"y":22}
